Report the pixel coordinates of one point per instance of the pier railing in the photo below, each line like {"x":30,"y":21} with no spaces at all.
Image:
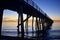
{"x":30,"y":2}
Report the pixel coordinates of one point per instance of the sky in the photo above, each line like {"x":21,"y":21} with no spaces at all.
{"x":50,"y":7}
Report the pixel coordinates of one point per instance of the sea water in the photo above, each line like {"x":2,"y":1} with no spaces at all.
{"x":10,"y":29}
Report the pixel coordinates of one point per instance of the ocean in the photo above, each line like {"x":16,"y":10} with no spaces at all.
{"x":10,"y":29}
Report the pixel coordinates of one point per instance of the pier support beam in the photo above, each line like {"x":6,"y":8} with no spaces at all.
{"x":19,"y":21}
{"x":26,"y":26}
{"x":22,"y":25}
{"x":39,"y":24}
{"x":42,"y":24}
{"x":32,"y":26}
{"x":20,"y":18}
{"x":1,"y":17}
{"x":37,"y":28}
{"x":36,"y":25}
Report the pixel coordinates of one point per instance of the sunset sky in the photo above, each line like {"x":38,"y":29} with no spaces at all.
{"x":50,"y":7}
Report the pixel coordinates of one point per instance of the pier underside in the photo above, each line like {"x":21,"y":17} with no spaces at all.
{"x":42,"y":21}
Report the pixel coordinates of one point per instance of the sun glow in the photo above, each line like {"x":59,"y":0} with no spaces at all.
{"x":55,"y":18}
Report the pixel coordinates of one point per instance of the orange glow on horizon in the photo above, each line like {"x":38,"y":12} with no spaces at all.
{"x":10,"y":19}
{"x":13,"y":19}
{"x":55,"y":18}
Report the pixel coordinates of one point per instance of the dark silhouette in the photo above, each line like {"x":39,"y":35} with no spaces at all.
{"x":31,"y":9}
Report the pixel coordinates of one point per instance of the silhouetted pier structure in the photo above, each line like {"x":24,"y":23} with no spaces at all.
{"x":28,"y":7}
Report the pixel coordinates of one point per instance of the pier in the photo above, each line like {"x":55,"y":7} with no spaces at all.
{"x":28,"y":7}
